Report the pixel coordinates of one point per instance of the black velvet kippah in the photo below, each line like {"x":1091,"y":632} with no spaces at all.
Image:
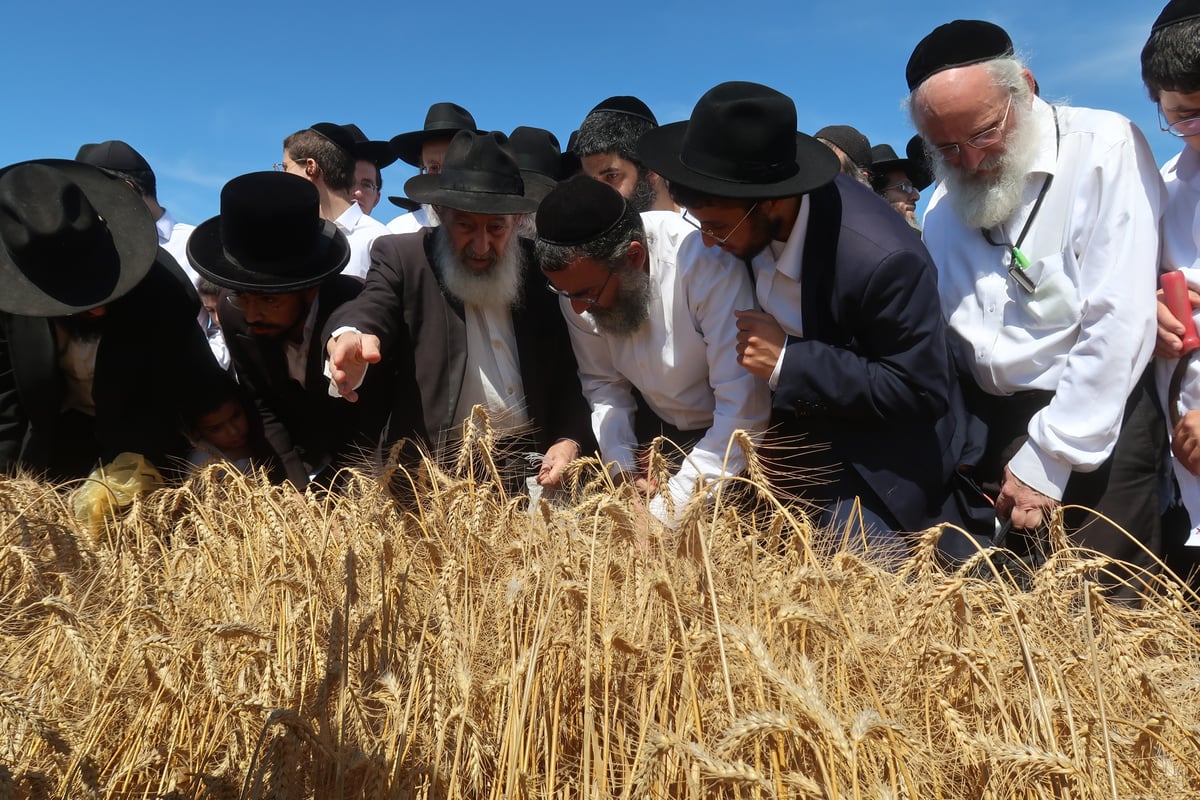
{"x":578,"y":211}
{"x":626,"y":104}
{"x":956,"y":44}
{"x":1176,"y":11}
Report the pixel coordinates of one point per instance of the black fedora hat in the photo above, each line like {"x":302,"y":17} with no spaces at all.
{"x":741,"y":141}
{"x":849,"y":140}
{"x":269,"y":237}
{"x":72,"y":238}
{"x":442,"y":121}
{"x":885,"y":160}
{"x":378,"y":153}
{"x":479,"y":175}
{"x":113,"y":155}
{"x":539,"y":156}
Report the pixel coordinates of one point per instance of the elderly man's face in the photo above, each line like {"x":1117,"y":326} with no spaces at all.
{"x":477,"y":239}
{"x":957,"y":110}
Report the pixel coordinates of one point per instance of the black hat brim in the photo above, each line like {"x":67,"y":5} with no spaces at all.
{"x":428,"y":189}
{"x":129,"y":223}
{"x":403,"y":202}
{"x":660,"y":149}
{"x":207,"y":254}
{"x":378,"y":153}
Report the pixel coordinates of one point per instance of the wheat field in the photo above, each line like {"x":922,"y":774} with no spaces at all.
{"x":231,"y":639}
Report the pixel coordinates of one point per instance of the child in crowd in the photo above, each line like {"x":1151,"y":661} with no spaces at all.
{"x":222,"y":427}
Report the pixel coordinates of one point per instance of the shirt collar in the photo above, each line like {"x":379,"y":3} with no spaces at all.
{"x":349,"y":218}
{"x":1187,"y":166}
{"x":790,"y":260}
{"x":165,"y":224}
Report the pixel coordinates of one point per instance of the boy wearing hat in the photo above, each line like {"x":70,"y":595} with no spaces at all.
{"x":848,"y":335}
{"x":425,"y":149}
{"x":281,"y":266}
{"x":1171,"y":72}
{"x":606,"y":144}
{"x":324,"y":155}
{"x":651,"y":320}
{"x":370,"y":158}
{"x":1044,"y":227}
{"x":461,"y":317}
{"x":98,"y":337}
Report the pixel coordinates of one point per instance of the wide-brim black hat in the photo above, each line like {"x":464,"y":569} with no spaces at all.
{"x":403,"y":202}
{"x":478,"y":175}
{"x":884,"y":160}
{"x":442,"y":121}
{"x":73,"y":237}
{"x":740,"y":142}
{"x":539,"y":156}
{"x":269,"y":237}
{"x":378,"y":153}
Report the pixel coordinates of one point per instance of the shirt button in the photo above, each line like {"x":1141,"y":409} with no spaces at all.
{"x":991,"y":309}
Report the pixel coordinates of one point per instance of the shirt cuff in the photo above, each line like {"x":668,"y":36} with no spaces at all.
{"x":333,"y":390}
{"x":773,"y":381}
{"x":1041,"y":471}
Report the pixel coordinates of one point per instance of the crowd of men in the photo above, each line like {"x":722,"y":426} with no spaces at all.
{"x":689,"y":280}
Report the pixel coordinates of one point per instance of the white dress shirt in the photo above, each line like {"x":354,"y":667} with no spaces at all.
{"x":1087,"y":332}
{"x":492,"y":377}
{"x":1181,"y":250}
{"x":777,"y":280}
{"x":362,"y":230}
{"x":683,"y":359}
{"x":173,"y":237}
{"x":413,"y":221}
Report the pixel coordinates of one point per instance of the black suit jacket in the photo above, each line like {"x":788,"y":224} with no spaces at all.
{"x":303,"y":423}
{"x":423,"y":340}
{"x":872,"y":377}
{"x":151,"y":355}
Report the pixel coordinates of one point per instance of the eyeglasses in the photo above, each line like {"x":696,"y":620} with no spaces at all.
{"x":240,"y":300}
{"x":708,"y":231}
{"x":368,"y":186}
{"x":587,"y":298}
{"x":1183,"y":128}
{"x":907,"y":188}
{"x":980,"y":141}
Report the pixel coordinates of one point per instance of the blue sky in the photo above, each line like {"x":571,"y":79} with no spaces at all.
{"x":208,"y":90}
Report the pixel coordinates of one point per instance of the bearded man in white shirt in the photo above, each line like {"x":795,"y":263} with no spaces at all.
{"x":1044,"y":228}
{"x":324,"y":155}
{"x":651,"y":316}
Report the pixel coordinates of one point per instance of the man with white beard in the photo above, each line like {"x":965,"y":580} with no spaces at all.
{"x":651,"y":316}
{"x":1044,"y":229}
{"x":456,"y":316}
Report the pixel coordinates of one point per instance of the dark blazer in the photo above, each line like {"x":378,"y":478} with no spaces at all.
{"x":151,"y":355}
{"x":303,"y":423}
{"x":872,"y":377}
{"x":423,"y":337}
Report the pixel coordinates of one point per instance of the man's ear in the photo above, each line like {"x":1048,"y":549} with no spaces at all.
{"x":636,"y":256}
{"x":1029,"y":79}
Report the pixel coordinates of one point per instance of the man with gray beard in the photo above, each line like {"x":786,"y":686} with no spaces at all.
{"x":651,"y":317}
{"x":1044,"y":229}
{"x":455,"y":314}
